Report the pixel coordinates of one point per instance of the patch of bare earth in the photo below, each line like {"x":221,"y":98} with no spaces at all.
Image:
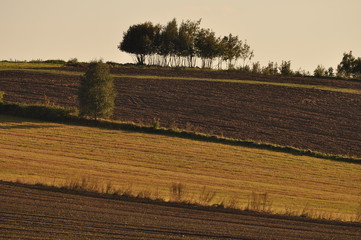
{"x":37,"y":213}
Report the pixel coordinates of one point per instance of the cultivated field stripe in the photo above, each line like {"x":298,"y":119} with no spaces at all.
{"x":51,"y":153}
{"x":38,"y":213}
{"x":253,"y":82}
{"x":294,"y":85}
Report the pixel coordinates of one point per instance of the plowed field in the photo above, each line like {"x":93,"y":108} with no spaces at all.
{"x":321,"y":120}
{"x":37,"y":213}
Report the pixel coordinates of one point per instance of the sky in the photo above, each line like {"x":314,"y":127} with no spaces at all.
{"x":306,"y":32}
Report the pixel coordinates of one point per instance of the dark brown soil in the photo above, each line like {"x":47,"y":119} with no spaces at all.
{"x":38,"y":213}
{"x":323,"y":121}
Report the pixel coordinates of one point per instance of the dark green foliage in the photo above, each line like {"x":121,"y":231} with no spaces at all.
{"x":329,"y":72}
{"x":285,"y":68}
{"x":186,"y":44}
{"x":169,"y":41}
{"x":346,"y":66}
{"x":73,"y":62}
{"x":256,"y":68}
{"x":96,"y":92}
{"x":140,"y":40}
{"x":270,"y":69}
{"x":349,"y":66}
{"x":231,"y":49}
{"x":175,"y":46}
{"x":208,"y":46}
{"x":42,"y":112}
{"x":320,"y":71}
{"x":55,"y":61}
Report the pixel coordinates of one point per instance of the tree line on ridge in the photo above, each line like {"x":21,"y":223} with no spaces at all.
{"x":174,"y":45}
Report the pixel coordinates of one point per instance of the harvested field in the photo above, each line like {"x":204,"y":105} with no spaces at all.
{"x":148,"y":164}
{"x":38,"y":213}
{"x":320,"y":120}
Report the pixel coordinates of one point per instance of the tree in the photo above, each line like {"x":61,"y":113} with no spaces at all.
{"x":139,"y":40}
{"x":320,"y":71}
{"x":270,"y":69}
{"x":357,"y":68}
{"x":231,"y":49}
{"x":285,"y":68}
{"x":207,"y":46}
{"x":330,"y":72}
{"x":186,"y":45}
{"x":246,"y":53}
{"x":346,"y":66}
{"x":256,"y":68}
{"x":168,"y":42}
{"x":96,"y":92}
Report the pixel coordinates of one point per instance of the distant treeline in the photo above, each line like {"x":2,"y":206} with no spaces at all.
{"x":181,"y":46}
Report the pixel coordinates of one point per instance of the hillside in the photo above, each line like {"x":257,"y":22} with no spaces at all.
{"x":307,"y":113}
{"x":147,"y":165}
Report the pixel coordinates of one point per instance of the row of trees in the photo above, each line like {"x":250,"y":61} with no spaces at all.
{"x":181,"y":46}
{"x":349,"y":67}
{"x":176,"y":46}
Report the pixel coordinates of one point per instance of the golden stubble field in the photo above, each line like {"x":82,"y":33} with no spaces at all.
{"x":57,"y":154}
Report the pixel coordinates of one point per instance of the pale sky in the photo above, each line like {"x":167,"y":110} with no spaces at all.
{"x":307,"y":32}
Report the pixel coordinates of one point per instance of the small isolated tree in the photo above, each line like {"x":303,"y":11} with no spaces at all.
{"x":96,"y":92}
{"x":285,"y":68}
{"x":346,"y":66}
{"x":320,"y":71}
{"x":270,"y":69}
{"x":330,"y":72}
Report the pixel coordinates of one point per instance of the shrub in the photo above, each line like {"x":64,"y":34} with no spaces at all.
{"x":256,"y":67}
{"x":320,"y":71}
{"x":270,"y":69}
{"x":156,"y":123}
{"x":96,"y":92}
{"x":285,"y":68}
{"x":330,"y":72}
{"x":73,"y":62}
{"x":55,"y":61}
